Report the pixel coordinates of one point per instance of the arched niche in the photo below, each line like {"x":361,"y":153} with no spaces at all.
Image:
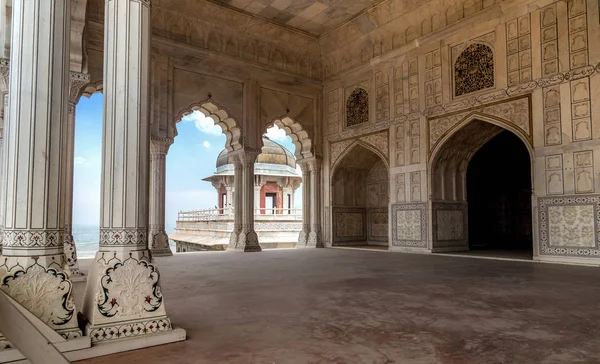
{"x":448,"y":171}
{"x":474,"y":69}
{"x":220,"y":117}
{"x":360,"y":197}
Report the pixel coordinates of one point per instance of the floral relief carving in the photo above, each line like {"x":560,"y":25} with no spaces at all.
{"x":357,"y":107}
{"x":123,"y":237}
{"x":129,"y":330}
{"x":379,"y":141}
{"x":474,"y":69}
{"x":129,"y":289}
{"x":409,"y":225}
{"x":44,"y":292}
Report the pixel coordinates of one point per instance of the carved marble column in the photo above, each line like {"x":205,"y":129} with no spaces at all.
{"x":237,"y":203}
{"x":314,"y":238}
{"x":248,"y":240}
{"x":76,"y":83}
{"x":159,"y":241}
{"x":4,"y":76}
{"x":33,"y":268}
{"x":306,"y":180}
{"x":123,"y":295}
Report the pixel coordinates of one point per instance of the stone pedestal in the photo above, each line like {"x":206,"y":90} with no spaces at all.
{"x":159,"y":241}
{"x":306,"y":181}
{"x":123,"y":295}
{"x":33,"y":268}
{"x":248,"y":239}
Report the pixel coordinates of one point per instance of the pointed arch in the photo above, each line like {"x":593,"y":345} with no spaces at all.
{"x":335,"y":164}
{"x":300,"y":136}
{"x":220,"y":117}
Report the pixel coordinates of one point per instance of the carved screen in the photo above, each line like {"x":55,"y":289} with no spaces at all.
{"x":357,"y":107}
{"x":474,"y":69}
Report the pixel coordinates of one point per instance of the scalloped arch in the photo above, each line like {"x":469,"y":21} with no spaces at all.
{"x":300,"y":137}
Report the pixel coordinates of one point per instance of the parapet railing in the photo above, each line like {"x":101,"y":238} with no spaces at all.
{"x":228,"y":213}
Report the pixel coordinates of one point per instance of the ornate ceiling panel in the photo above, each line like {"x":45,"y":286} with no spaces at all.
{"x":313,"y":16}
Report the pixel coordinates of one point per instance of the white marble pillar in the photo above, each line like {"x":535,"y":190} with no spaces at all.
{"x":33,"y":268}
{"x":314,"y":238}
{"x":123,"y":295}
{"x":4,"y":74}
{"x":257,"y":188}
{"x":76,"y":83}
{"x":248,"y":239}
{"x":237,"y":203}
{"x":158,"y":238}
{"x":304,"y":234}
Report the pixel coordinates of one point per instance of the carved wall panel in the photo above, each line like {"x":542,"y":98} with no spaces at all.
{"x":399,"y":90}
{"x":450,"y":225}
{"x":357,"y":107}
{"x":415,"y":140}
{"x":552,"y":119}
{"x":349,"y":225}
{"x":581,"y":109}
{"x":409,"y":225}
{"x":400,"y":145}
{"x":549,"y":40}
{"x":337,"y":149}
{"x":578,"y":39}
{"x":415,"y":186}
{"x":554,"y":175}
{"x":569,"y":225}
{"x":382,"y":100}
{"x":518,"y":50}
{"x":433,"y":78}
{"x":413,"y":85}
{"x":473,"y":69}
{"x":377,"y":226}
{"x":584,"y":171}
{"x":380,"y":141}
{"x":377,"y":186}
{"x":333,"y":111}
{"x":400,"y":188}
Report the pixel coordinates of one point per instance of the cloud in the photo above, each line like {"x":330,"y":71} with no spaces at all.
{"x":203,"y":124}
{"x":276,"y":134}
{"x":80,"y":161}
{"x":206,"y":144}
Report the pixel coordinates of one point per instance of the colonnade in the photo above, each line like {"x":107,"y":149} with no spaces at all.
{"x":123,"y":295}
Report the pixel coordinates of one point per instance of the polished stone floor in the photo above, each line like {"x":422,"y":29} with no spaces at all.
{"x":352,"y":306}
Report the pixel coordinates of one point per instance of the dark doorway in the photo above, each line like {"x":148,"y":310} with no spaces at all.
{"x":499,"y":196}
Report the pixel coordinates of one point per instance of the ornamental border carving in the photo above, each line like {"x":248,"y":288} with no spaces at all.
{"x":544,"y":232}
{"x":124,"y":237}
{"x":422,"y":208}
{"x":130,"y":329}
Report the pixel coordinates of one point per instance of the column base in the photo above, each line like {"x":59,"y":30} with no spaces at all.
{"x":123,"y":297}
{"x":302,"y":239}
{"x":314,"y":240}
{"x":248,"y":242}
{"x":233,"y":240}
{"x":159,"y":244}
{"x":71,"y":254}
{"x":43,"y":286}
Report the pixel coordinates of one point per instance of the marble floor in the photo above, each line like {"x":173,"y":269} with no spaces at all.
{"x":356,"y":306}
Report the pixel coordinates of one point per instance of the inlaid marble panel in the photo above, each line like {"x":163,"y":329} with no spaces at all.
{"x":409,"y":225}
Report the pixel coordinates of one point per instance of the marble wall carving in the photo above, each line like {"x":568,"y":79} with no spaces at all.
{"x":578,"y":38}
{"x":399,"y":90}
{"x":549,"y":40}
{"x":415,"y":186}
{"x":413,"y":85}
{"x":450,"y":225}
{"x":357,"y":107}
{"x":377,"y":226}
{"x":382,"y":99}
{"x":409,"y":225}
{"x":554,"y":174}
{"x":400,"y":188}
{"x":473,"y":70}
{"x":552,"y":116}
{"x":433,"y":78}
{"x":581,"y":109}
{"x":584,"y":171}
{"x":333,"y":108}
{"x":569,"y":225}
{"x":349,"y":225}
{"x":400,"y":145}
{"x":518,"y":50}
{"x":377,"y":186}
{"x":515,"y":112}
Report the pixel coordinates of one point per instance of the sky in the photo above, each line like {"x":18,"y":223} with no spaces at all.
{"x":191,"y":157}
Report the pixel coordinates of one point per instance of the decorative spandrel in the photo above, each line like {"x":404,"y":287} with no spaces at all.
{"x":474,"y":69}
{"x":357,"y":107}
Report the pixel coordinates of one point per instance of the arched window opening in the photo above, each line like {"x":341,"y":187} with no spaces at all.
{"x":474,"y":69}
{"x":357,"y":107}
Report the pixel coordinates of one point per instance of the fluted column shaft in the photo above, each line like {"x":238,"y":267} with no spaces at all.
{"x":3,"y":163}
{"x":248,"y":239}
{"x":35,"y":271}
{"x":314,"y":238}
{"x":237,"y":203}
{"x":123,"y":271}
{"x":159,"y":241}
{"x":306,"y":188}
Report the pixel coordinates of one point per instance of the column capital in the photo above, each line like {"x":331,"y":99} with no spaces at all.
{"x":246,"y":156}
{"x":160,"y":146}
{"x":77,"y":80}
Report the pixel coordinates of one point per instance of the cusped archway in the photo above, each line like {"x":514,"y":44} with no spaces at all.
{"x":300,"y":136}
